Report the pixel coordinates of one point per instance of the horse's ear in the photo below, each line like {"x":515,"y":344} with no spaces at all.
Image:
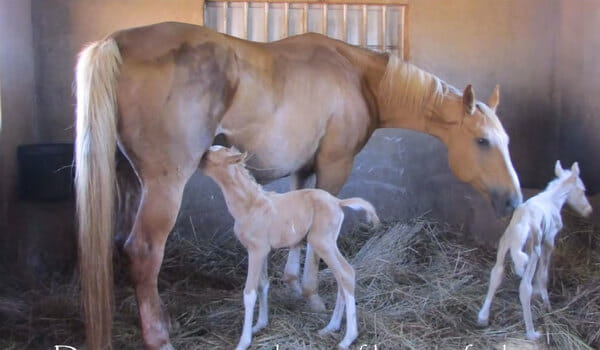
{"x":494,"y":99}
{"x":558,"y":170}
{"x":469,"y":100}
{"x":575,"y":168}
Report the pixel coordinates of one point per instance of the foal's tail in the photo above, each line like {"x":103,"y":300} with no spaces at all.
{"x":95,"y":145}
{"x":358,"y":204}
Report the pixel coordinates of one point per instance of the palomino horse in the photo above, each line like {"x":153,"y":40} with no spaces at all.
{"x":300,"y":106}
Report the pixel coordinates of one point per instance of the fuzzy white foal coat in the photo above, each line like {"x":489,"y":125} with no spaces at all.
{"x":266,"y":220}
{"x":530,"y":239}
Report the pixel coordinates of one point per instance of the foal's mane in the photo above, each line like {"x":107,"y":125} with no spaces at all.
{"x":243,"y":172}
{"x":408,"y":86}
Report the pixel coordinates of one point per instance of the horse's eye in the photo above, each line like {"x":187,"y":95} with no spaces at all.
{"x":482,"y":142}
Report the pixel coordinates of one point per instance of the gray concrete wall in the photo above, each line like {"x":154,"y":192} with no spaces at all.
{"x":514,"y":43}
{"x":18,"y":103}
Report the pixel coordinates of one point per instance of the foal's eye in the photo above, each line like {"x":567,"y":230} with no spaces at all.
{"x":482,"y":142}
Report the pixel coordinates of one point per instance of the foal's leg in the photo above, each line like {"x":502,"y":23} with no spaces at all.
{"x":256,"y":260}
{"x":495,"y":280}
{"x":540,"y":282}
{"x":263,"y":304}
{"x":323,"y":239}
{"x":292,"y":266}
{"x":338,"y":312}
{"x":331,"y":176}
{"x":345,"y":277}
{"x":525,"y":291}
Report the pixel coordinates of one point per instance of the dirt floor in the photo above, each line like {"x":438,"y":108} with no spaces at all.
{"x":419,"y":286}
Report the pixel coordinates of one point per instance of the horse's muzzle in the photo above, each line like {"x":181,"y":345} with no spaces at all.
{"x":505,"y":203}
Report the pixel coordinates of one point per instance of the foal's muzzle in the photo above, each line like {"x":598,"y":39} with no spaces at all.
{"x":505,"y":203}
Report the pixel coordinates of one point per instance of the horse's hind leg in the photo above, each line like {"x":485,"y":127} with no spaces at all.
{"x":331,"y":176}
{"x":145,"y":248}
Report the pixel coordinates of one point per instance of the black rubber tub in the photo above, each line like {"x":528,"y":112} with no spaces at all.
{"x":46,"y":171}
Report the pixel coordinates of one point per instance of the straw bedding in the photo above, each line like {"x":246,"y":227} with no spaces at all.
{"x":419,"y":286}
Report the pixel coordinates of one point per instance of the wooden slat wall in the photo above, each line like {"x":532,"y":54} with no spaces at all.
{"x":378,"y":25}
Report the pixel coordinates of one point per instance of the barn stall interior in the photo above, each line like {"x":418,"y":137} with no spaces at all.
{"x":421,"y":278}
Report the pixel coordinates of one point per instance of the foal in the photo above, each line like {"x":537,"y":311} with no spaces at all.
{"x":534,"y":226}
{"x":265,"y":220}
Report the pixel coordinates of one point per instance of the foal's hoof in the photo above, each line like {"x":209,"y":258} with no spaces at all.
{"x":293,"y":285}
{"x":533,"y":335}
{"x":258,"y":327}
{"x":316,"y":303}
{"x":167,"y":346}
{"x":325,"y":331}
{"x":483,"y":322}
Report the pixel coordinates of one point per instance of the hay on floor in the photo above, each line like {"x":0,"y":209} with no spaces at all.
{"x":419,"y":286}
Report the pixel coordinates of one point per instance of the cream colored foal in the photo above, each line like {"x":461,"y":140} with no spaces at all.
{"x":265,"y":220}
{"x":530,"y":237}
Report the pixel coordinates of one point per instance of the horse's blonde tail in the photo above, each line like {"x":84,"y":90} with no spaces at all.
{"x":95,"y":145}
{"x":358,"y":204}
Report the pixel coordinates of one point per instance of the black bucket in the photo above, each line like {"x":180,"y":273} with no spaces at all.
{"x":46,"y":171}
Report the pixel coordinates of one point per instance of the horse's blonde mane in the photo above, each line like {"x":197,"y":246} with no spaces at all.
{"x":405,"y":85}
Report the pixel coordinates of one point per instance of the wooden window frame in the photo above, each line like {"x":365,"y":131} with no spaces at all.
{"x":402,"y":45}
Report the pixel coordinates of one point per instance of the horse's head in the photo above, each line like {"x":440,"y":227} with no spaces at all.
{"x":576,"y":198}
{"x":478,"y":148}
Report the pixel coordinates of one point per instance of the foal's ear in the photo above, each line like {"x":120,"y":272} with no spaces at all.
{"x":575,"y":168}
{"x":237,"y":158}
{"x":469,"y":100}
{"x":558,"y":169}
{"x":494,"y":99}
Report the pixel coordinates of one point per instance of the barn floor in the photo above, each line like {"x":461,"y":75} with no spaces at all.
{"x":419,"y":286}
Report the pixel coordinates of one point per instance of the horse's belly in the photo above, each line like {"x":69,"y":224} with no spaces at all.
{"x":277,"y":146}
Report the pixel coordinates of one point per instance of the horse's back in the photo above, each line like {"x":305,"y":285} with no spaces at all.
{"x":153,"y":41}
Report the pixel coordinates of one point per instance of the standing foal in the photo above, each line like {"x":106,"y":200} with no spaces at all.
{"x":265,"y":220}
{"x":534,"y":226}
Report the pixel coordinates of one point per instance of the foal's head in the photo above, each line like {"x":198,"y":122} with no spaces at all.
{"x":478,"y":148}
{"x":221,"y":159}
{"x":576,"y":198}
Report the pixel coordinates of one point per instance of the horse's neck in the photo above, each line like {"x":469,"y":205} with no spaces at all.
{"x":240,"y":191}
{"x":403,"y":112}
